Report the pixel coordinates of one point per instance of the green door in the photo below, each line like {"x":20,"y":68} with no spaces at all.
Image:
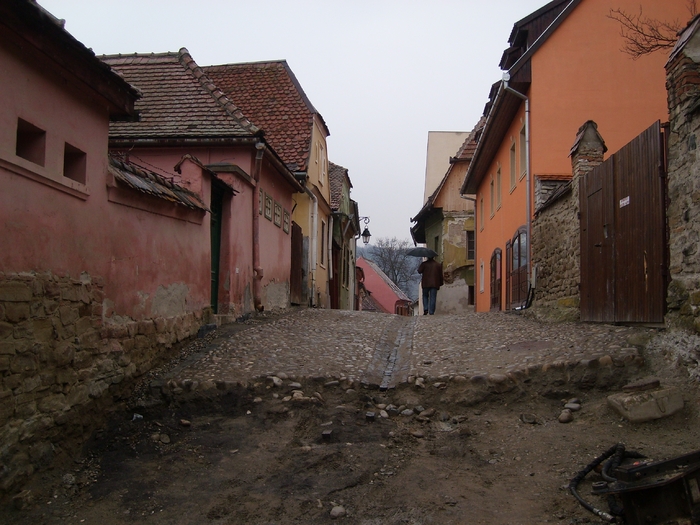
{"x":217,"y":202}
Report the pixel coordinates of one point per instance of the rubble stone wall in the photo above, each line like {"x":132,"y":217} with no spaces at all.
{"x":555,"y":255}
{"x":683,"y":214}
{"x":556,"y":234}
{"x":63,"y":366}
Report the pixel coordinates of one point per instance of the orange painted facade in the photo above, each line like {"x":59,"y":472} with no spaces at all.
{"x":576,"y":72}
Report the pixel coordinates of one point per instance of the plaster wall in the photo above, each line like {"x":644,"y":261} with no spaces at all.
{"x":60,"y":225}
{"x":499,"y":226}
{"x":440,"y":147}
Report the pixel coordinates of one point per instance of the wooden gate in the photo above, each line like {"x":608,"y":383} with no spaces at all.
{"x":296,"y":275}
{"x":624,"y":257}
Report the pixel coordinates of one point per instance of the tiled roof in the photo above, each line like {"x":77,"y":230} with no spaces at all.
{"x":400,"y":295}
{"x":150,"y":183}
{"x":179,"y":100}
{"x":269,"y":93}
{"x":337,"y":174}
{"x":466,"y":152}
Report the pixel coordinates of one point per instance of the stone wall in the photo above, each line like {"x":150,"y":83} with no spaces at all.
{"x":555,"y":255}
{"x":683,"y":214}
{"x":63,"y":365}
{"x":556,"y":247}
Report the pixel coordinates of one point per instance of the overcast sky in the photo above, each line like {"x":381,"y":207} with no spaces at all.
{"x":382,"y":73}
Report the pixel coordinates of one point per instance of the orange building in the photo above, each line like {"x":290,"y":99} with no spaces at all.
{"x":564,"y":66}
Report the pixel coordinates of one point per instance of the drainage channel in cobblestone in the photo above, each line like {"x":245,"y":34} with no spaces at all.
{"x":391,"y":350}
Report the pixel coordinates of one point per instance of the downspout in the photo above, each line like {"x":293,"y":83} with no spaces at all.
{"x":313,"y":248}
{"x":329,"y":246}
{"x":528,"y":211}
{"x":257,"y":269}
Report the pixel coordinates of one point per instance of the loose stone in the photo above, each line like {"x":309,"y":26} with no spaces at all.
{"x":566,"y":416}
{"x":574,"y":407}
{"x":338,"y":512}
{"x":427,"y":413}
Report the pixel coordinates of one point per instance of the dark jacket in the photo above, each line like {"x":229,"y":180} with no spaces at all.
{"x":431,"y":270}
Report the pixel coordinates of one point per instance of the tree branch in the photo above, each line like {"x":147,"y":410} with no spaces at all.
{"x":643,"y":35}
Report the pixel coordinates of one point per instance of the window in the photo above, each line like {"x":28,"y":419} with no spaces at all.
{"x":278,"y":215}
{"x":323,"y":243}
{"x":523,"y":153}
{"x":481,"y":213}
{"x":498,"y":189}
{"x":31,"y":142}
{"x":322,"y":163}
{"x":513,"y":175}
{"x":285,"y":222}
{"x":492,"y":190}
{"x":268,"y":207}
{"x":74,"y":164}
{"x":437,"y":244}
{"x":471,"y":245}
{"x":495,"y":274}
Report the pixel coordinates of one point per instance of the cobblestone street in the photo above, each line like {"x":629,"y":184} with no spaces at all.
{"x":306,"y":415}
{"x":386,"y":350}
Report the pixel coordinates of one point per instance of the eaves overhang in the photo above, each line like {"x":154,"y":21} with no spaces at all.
{"x":270,"y":154}
{"x":499,"y":120}
{"x":42,"y":38}
{"x":506,"y":104}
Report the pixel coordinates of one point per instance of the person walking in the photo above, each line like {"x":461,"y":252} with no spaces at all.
{"x":431,"y":281}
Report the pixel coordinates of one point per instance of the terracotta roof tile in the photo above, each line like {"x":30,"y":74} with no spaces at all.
{"x":269,"y":93}
{"x":146,"y":181}
{"x":337,"y":174}
{"x":179,"y":100}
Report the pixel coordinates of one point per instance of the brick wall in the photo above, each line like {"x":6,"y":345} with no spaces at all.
{"x":683,"y":85}
{"x":62,"y":366}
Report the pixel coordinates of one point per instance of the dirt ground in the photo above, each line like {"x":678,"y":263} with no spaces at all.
{"x":253,"y":458}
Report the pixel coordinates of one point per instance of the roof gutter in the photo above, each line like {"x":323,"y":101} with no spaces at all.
{"x":528,"y":210}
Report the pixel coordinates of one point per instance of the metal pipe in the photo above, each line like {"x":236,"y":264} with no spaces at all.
{"x":528,"y":209}
{"x":257,"y":269}
{"x":313,"y":242}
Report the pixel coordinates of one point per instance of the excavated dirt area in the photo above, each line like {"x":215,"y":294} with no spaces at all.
{"x":250,"y":457}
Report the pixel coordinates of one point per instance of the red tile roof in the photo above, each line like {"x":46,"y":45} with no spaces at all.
{"x":146,"y":181}
{"x":269,"y":93}
{"x":337,"y":174}
{"x":179,"y":100}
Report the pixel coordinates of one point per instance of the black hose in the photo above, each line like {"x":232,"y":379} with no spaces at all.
{"x":573,"y":484}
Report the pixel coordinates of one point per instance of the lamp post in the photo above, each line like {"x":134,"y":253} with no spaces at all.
{"x":365,"y":233}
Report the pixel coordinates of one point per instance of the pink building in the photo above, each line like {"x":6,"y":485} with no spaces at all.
{"x":110,"y":260}
{"x":183,"y":115}
{"x":385,"y":294}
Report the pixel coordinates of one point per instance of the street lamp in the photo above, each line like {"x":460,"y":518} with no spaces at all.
{"x":365,"y":233}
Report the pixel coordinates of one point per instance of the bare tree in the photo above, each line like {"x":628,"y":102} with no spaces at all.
{"x":644,"y":35}
{"x":390,"y":255}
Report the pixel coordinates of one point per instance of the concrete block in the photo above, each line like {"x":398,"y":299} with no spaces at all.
{"x":638,"y":407}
